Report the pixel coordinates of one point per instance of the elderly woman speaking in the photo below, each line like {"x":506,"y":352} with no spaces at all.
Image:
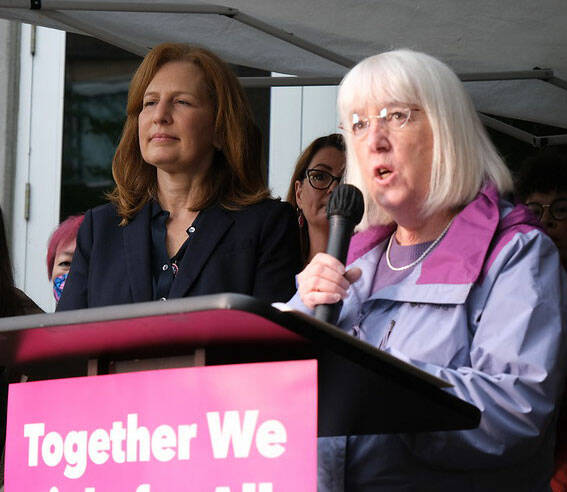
{"x":446,"y":275}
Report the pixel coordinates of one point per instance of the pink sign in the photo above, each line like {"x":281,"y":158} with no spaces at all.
{"x":237,"y":428}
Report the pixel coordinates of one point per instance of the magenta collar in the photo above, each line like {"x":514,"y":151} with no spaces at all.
{"x":465,"y":251}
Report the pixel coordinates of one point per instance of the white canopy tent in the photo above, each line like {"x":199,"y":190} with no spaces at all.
{"x":494,"y":46}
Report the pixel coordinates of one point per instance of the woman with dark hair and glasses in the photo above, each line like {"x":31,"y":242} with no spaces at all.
{"x":542,"y":186}
{"x":318,"y":171}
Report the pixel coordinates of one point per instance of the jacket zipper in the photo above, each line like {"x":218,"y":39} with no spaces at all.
{"x":387,"y":336}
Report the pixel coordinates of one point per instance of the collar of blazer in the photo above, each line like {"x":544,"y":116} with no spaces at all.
{"x":212,"y":224}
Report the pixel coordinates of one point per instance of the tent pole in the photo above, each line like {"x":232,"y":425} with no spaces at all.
{"x":502,"y":127}
{"x":544,"y":75}
{"x":140,"y":6}
{"x":557,"y":82}
{"x":173,"y":7}
{"x":550,"y":140}
{"x":292,"y":39}
{"x":101,"y":34}
{"x":512,"y":75}
{"x":259,"y":82}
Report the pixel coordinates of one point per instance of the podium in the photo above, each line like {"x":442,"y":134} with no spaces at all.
{"x":361,"y":390}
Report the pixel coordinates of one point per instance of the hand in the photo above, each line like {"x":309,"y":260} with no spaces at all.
{"x":325,"y":281}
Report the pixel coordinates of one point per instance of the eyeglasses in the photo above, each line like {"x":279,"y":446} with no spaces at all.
{"x":557,"y":209}
{"x":394,"y":117}
{"x":321,"y":180}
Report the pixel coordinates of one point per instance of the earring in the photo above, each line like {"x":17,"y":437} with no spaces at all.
{"x":300,"y":218}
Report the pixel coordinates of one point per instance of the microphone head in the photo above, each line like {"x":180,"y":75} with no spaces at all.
{"x":347,"y":201}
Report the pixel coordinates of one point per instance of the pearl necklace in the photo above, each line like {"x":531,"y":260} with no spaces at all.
{"x":421,"y":257}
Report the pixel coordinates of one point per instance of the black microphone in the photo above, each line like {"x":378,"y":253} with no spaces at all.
{"x":344,"y":211}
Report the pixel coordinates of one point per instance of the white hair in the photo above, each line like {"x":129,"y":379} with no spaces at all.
{"x":464,"y":158}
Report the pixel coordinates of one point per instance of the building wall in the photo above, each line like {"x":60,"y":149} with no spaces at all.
{"x":37,"y":177}
{"x":298,"y":116}
{"x":9,"y":77}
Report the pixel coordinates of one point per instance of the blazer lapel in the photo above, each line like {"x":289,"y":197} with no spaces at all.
{"x":211,"y":226}
{"x":137,"y":251}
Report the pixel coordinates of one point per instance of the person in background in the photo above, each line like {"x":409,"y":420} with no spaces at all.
{"x":445,"y":274}
{"x":542,"y":185}
{"x":13,"y":302}
{"x":60,"y":250}
{"x":318,"y":170}
{"x":191,"y":213}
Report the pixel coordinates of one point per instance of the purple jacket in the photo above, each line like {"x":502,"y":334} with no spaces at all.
{"x":486,"y":311}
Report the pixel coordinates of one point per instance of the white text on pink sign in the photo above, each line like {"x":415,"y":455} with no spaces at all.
{"x":135,"y":443}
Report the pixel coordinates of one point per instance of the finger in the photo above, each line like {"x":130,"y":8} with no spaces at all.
{"x":322,"y":281}
{"x":319,"y":284}
{"x":318,"y":290}
{"x":330,"y":276}
{"x":313,"y":299}
{"x":319,"y":270}
{"x":329,"y":261}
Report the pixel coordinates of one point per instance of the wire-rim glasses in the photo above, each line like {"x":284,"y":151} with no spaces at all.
{"x":321,"y":180}
{"x":557,"y":209}
{"x":393,"y":117}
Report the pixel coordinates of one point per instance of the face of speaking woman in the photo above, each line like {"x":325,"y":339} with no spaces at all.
{"x":393,"y":143}
{"x":176,"y":124}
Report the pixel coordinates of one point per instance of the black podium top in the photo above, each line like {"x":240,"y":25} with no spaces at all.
{"x":362,"y":390}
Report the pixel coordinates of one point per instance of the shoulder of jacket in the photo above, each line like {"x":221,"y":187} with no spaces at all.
{"x":105,"y":212}
{"x":102,"y":217}
{"x":265,"y":207}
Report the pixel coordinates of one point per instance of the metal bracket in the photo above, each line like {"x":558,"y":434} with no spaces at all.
{"x":181,"y":6}
{"x":524,"y":136}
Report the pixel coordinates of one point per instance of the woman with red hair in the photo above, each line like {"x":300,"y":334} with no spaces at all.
{"x":60,"y":251}
{"x":191,"y":212}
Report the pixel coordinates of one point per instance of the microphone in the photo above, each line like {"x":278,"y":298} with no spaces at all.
{"x":344,"y":210}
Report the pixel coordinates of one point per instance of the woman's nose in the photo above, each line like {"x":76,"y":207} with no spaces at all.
{"x":377,"y":136}
{"x":162,"y":113}
{"x":547,"y":219}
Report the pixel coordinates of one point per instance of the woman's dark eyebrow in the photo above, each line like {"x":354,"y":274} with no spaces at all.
{"x":322,"y":164}
{"x":326,"y":167}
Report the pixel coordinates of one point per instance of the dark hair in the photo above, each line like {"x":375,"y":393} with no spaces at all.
{"x":10,"y":302}
{"x":237,"y":177}
{"x":65,"y":233}
{"x":333,"y":140}
{"x":543,"y":172}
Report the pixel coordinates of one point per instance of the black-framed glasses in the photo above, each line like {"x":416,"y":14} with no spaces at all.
{"x":321,"y":180}
{"x":557,"y":208}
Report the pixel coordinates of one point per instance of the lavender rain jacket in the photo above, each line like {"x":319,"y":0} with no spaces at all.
{"x":486,"y":311}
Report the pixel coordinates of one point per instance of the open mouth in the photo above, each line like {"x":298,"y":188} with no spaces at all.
{"x":383,"y":173}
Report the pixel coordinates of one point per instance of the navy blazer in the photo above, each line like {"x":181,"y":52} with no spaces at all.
{"x":252,"y":251}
